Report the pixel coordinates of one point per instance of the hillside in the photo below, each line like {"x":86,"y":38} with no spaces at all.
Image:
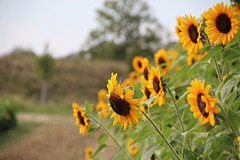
{"x":74,"y":81}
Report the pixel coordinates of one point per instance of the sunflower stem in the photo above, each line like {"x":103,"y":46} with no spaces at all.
{"x":217,"y":69}
{"x":228,"y":120}
{"x":178,"y":115}
{"x":170,"y":147}
{"x":114,"y":139}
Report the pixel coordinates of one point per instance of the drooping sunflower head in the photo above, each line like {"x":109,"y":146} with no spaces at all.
{"x":190,"y":35}
{"x":137,"y":63}
{"x":132,"y":148}
{"x":145,"y":68}
{"x":177,"y":30}
{"x":81,"y":118}
{"x":102,"y":108}
{"x":102,"y":95}
{"x":202,"y":104}
{"x":88,"y":153}
{"x":222,"y":23}
{"x":156,"y":86}
{"x":161,"y":59}
{"x":122,"y":103}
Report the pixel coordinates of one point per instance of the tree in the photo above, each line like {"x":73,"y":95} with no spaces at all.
{"x":126,"y":28}
{"x":46,"y":66}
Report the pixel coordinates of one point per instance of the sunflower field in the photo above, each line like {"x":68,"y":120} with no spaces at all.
{"x":183,"y":103}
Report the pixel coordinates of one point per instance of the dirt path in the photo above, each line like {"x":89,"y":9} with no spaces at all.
{"x":56,"y":139}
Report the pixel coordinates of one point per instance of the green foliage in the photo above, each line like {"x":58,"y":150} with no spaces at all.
{"x":7,"y":114}
{"x":46,"y":64}
{"x":124,"y":33}
{"x":101,"y":147}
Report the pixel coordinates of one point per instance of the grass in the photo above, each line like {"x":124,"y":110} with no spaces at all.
{"x":17,"y":132}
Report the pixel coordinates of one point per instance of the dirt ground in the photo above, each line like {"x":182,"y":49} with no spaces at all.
{"x":56,"y":139}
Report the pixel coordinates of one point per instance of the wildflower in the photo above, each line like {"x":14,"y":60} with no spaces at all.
{"x":133,"y":149}
{"x":102,"y":95}
{"x":123,"y":106}
{"x":222,"y":23}
{"x":161,"y":59}
{"x":202,"y":104}
{"x":88,"y":152}
{"x":101,"y":107}
{"x":190,"y":35}
{"x":81,"y":118}
{"x":177,"y":30}
{"x":138,"y":64}
{"x":156,"y":85}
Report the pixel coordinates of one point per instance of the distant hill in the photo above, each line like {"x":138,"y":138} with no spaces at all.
{"x":74,"y":81}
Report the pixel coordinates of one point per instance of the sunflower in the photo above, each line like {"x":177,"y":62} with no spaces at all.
{"x":123,"y":106}
{"x":100,"y":107}
{"x":145,"y":89}
{"x":161,"y":58}
{"x":202,"y":104}
{"x":81,"y":118}
{"x":190,"y":35}
{"x":138,"y":64}
{"x":134,"y":76}
{"x":102,"y":95}
{"x":156,"y":86}
{"x":145,"y":68}
{"x":133,"y":149}
{"x":222,"y":23}
{"x":177,"y":30}
{"x":127,"y":82}
{"x":88,"y":152}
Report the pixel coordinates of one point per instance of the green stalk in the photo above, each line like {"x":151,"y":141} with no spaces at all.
{"x":171,"y":149}
{"x":114,"y":139}
{"x":217,"y":70}
{"x":178,"y":115}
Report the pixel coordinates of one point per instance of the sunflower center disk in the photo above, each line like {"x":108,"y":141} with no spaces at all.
{"x":145,"y":73}
{"x":156,"y":84}
{"x":119,"y":105}
{"x":139,"y":64}
{"x":161,"y":61}
{"x":223,"y":23}
{"x":81,"y":119}
{"x":147,"y":93}
{"x":193,"y":33}
{"x":201,"y":105}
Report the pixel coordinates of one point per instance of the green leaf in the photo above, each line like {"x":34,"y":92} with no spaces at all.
{"x":223,"y":142}
{"x":227,"y":87}
{"x":234,"y":118}
{"x":231,"y":54}
{"x":143,"y":134}
{"x":236,"y":104}
{"x":149,"y":101}
{"x":215,"y":50}
{"x":195,"y":69}
{"x":181,"y":90}
{"x":116,"y":156}
{"x":189,"y":155}
{"x":207,"y":48}
{"x":98,"y":150}
{"x":149,"y":151}
{"x":93,"y":129}
{"x":102,"y":138}
{"x":234,"y":40}
{"x":180,"y":74}
{"x":230,"y":99}
{"x":137,"y":92}
{"x":88,"y":107}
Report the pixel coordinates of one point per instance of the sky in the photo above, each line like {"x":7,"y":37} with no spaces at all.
{"x":65,"y":24}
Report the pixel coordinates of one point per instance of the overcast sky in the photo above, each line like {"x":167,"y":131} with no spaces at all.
{"x":65,"y":24}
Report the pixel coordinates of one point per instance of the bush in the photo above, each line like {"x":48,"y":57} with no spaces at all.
{"x":7,"y":114}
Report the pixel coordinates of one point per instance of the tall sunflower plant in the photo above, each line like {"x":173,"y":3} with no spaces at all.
{"x":183,"y":103}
